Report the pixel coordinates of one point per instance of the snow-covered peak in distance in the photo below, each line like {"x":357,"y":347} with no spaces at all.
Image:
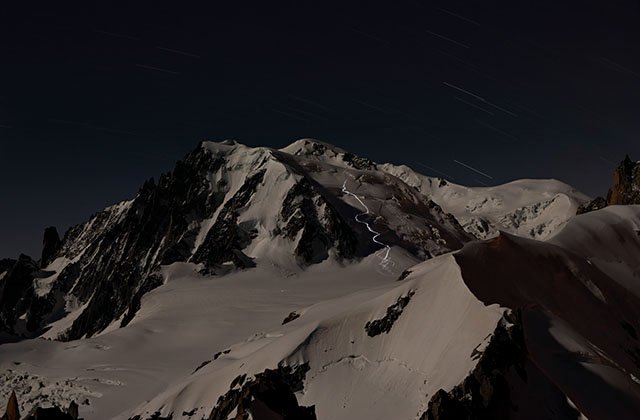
{"x":325,"y":152}
{"x":309,"y":146}
{"x":534,"y":208}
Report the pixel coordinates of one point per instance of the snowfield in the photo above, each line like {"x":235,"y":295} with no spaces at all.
{"x":429,"y":347}
{"x":180,"y":325}
{"x":528,"y":312}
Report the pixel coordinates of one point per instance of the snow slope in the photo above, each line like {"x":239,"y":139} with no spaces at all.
{"x":577,"y":296}
{"x":429,"y":347}
{"x":592,"y":236}
{"x":181,"y":324}
{"x":534,"y":208}
{"x":227,"y":207}
{"x":579,"y":325}
{"x":506,"y":325}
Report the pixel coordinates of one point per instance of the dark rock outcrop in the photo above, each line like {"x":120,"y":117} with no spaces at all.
{"x":226,"y":239}
{"x":268,"y":395}
{"x":404,"y":275}
{"x":6,"y":264}
{"x":626,"y":183}
{"x":383,"y":325}
{"x":119,"y":250}
{"x":12,"y":412}
{"x":40,"y":413}
{"x":16,"y":292}
{"x":503,"y":385}
{"x":595,"y":204}
{"x":49,"y":413}
{"x":319,"y":232}
{"x":292,"y":316}
{"x":73,"y":410}
{"x":537,"y":279}
{"x":624,"y":191}
{"x":155,"y":416}
{"x":50,"y":245}
{"x":358,"y":162}
{"x":485,"y":393}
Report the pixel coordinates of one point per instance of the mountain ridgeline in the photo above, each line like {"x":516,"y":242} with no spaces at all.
{"x":223,"y":207}
{"x":308,"y":282}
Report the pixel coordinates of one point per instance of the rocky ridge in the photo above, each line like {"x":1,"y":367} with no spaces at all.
{"x":223,"y":207}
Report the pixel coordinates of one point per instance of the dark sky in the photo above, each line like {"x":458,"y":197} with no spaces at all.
{"x":94,"y":101}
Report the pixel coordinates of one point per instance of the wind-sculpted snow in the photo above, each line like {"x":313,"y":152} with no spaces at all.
{"x":579,"y":318}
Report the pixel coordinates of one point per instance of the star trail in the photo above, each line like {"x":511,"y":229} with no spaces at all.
{"x":97,"y":99}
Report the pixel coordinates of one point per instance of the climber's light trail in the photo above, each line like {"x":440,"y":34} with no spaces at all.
{"x":366,"y":211}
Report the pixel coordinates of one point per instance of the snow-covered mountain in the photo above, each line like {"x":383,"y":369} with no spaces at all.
{"x":534,"y":208}
{"x":308,"y":282}
{"x":225,"y":206}
{"x":505,"y":328}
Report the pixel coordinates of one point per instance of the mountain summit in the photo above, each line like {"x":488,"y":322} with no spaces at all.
{"x":225,"y":206}
{"x":309,"y":282}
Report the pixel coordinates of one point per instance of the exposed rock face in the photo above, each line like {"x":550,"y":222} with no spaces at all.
{"x":113,"y":259}
{"x":210,"y":210}
{"x":5,"y":265}
{"x":503,"y":385}
{"x":358,"y":162}
{"x":39,"y":413}
{"x":595,"y":204}
{"x":383,"y":325}
{"x":16,"y":291}
{"x":73,"y":410}
{"x":125,"y":244}
{"x":291,"y":317}
{"x":308,"y":214}
{"x":225,"y":240}
{"x":269,"y":395}
{"x":12,"y":412}
{"x":49,"y":413}
{"x":624,"y":191}
{"x":50,"y":245}
{"x":485,"y":393}
{"x":603,"y":315}
{"x":626,"y":183}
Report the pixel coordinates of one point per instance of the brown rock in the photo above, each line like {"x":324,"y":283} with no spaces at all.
{"x":12,"y":413}
{"x":626,"y":184}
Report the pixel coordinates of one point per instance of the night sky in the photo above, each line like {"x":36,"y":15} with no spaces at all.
{"x":94,"y":101}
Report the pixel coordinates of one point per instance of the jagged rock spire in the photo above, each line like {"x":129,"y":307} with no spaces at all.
{"x":12,"y":412}
{"x":626,"y":183}
{"x":50,"y":245}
